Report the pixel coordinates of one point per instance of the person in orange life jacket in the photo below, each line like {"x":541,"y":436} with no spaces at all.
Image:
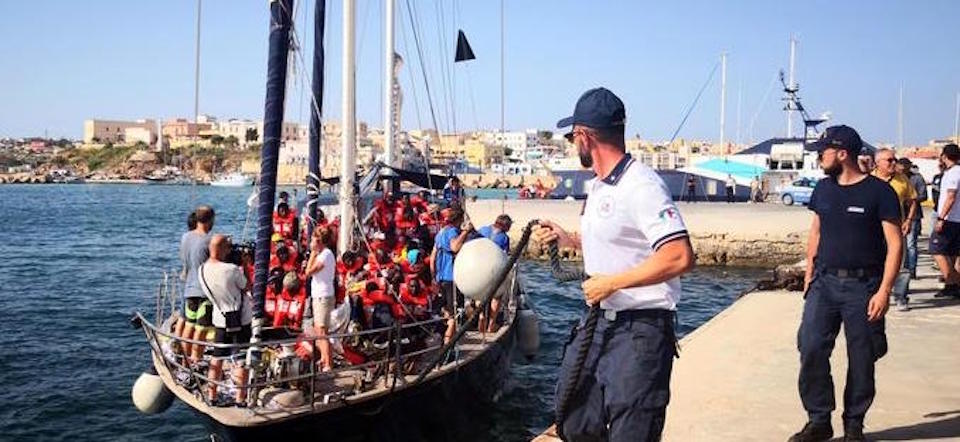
{"x":285,"y":222}
{"x":290,"y":303}
{"x":274,"y":288}
{"x":419,"y":203}
{"x":320,"y":269}
{"x":284,"y":197}
{"x":284,"y":255}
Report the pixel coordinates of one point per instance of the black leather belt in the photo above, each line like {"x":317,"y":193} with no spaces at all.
{"x":854,"y":273}
{"x":614,"y":315}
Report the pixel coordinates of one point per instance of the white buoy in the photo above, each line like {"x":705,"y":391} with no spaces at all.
{"x":476,"y":266}
{"x":528,"y":333}
{"x":150,"y":395}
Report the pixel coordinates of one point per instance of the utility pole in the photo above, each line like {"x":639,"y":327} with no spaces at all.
{"x":723,"y":98}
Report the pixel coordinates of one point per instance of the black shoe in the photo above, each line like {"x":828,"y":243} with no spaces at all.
{"x":913,"y":274}
{"x":853,"y":434}
{"x":948,"y":291}
{"x":813,"y":432}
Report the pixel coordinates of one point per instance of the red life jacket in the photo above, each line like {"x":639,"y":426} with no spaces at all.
{"x":417,"y":299}
{"x":290,"y":307}
{"x":284,"y":225}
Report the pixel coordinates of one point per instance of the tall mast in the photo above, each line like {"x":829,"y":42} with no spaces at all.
{"x":280,"y":24}
{"x":956,"y":122}
{"x":792,"y":84}
{"x":196,"y":71}
{"x":502,"y":101}
{"x":739,"y":103}
{"x":900,"y":119}
{"x":389,"y":134}
{"x":723,"y":98}
{"x":349,"y":137}
{"x":316,"y":102}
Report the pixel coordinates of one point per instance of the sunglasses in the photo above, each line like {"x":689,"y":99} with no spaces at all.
{"x":570,"y":136}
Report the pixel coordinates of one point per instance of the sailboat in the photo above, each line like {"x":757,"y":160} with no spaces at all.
{"x":416,"y":387}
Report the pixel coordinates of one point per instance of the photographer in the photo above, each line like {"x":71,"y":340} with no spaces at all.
{"x":224,"y":285}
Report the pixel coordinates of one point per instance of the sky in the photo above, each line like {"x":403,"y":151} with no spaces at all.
{"x":64,"y":61}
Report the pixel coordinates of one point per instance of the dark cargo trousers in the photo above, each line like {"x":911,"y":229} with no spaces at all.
{"x":624,"y":385}
{"x":830,"y":301}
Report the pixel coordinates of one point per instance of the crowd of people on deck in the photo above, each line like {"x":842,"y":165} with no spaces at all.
{"x":402,"y":271}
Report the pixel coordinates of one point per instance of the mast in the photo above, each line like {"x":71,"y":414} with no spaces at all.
{"x":723,"y":97}
{"x":389,"y":134}
{"x":316,"y":101}
{"x":349,"y":137}
{"x":792,"y":84}
{"x":739,"y":102}
{"x":900,"y":119}
{"x":956,"y":122}
{"x":196,"y":71}
{"x":280,"y":23}
{"x":502,"y":100}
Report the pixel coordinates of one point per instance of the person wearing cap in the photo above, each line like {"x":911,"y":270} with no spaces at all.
{"x":906,"y":167}
{"x":945,"y":239}
{"x":635,"y":247}
{"x":887,"y":170}
{"x":496,"y":232}
{"x":853,"y":256}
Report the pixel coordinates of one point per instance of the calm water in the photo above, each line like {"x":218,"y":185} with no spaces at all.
{"x":77,"y":260}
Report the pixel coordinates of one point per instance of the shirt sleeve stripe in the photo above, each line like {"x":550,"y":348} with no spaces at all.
{"x":670,"y":237}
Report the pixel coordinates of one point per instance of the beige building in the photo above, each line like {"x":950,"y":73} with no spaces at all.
{"x":138,"y":134}
{"x":114,"y":131}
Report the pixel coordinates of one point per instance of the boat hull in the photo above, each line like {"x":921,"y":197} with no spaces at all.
{"x":455,"y":406}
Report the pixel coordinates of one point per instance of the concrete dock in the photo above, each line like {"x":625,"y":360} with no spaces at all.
{"x":736,"y":378}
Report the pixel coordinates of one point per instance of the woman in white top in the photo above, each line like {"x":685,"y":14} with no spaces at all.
{"x":320,"y":269}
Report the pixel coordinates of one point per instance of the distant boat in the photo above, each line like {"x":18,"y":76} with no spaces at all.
{"x":235,"y":179}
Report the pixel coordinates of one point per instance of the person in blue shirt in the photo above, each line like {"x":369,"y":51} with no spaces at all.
{"x":497,"y":232}
{"x":445,"y":246}
{"x":453,"y":194}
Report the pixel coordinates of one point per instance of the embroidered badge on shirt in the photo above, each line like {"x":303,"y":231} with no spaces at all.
{"x":855,"y":209}
{"x":605,"y":207}
{"x":668,"y":214}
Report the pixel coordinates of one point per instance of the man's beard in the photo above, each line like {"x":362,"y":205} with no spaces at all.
{"x":585,"y":159}
{"x":833,"y":170}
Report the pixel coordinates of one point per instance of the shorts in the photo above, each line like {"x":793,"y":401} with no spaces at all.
{"x":222,"y":336}
{"x":322,"y":309}
{"x":199,"y":311}
{"x":946,"y":242}
{"x":450,"y":293}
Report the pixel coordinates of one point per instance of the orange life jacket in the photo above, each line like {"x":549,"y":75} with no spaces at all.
{"x":289,"y":308}
{"x":284,"y":225}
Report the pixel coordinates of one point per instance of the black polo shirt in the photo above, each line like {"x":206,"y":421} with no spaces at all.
{"x":851,"y":216}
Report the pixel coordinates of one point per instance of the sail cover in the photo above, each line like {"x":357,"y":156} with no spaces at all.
{"x":280,"y":20}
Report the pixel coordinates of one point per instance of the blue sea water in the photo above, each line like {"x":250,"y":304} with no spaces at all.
{"x":77,"y":260}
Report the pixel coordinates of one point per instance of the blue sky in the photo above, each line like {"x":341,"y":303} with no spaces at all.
{"x":64,"y":61}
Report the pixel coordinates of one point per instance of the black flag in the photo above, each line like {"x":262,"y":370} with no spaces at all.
{"x":464,"y":52}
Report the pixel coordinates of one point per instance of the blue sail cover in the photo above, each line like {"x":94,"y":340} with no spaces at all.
{"x":280,"y":20}
{"x":316,"y":108}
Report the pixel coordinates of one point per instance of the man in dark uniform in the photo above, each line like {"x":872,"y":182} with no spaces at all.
{"x":853,"y":256}
{"x":635,"y":247}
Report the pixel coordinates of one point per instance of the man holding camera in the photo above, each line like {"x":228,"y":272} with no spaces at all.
{"x":224,"y":284}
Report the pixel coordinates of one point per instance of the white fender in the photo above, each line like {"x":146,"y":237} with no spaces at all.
{"x":150,"y":395}
{"x":528,"y":333}
{"x":476,"y":266}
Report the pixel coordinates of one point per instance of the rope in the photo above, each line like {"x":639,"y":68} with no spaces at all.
{"x":589,"y":329}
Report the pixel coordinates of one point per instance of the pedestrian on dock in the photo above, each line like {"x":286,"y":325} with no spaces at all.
{"x":945,"y":239}
{"x":691,"y":195}
{"x":853,"y":256}
{"x":887,"y":170}
{"x":906,"y":167}
{"x":755,"y":190}
{"x":635,"y":247}
{"x":731,"y":188}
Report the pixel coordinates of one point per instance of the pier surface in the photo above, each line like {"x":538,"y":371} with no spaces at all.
{"x":736,"y":378}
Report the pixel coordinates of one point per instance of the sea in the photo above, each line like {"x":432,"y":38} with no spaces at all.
{"x":79,"y":260}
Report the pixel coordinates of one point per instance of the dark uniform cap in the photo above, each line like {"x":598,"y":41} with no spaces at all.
{"x":598,"y":109}
{"x":838,"y":137}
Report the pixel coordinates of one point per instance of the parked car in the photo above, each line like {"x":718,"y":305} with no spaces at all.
{"x":798,"y":192}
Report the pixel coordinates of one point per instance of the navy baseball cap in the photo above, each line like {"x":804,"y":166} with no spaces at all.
{"x":838,"y":137}
{"x":597,"y":108}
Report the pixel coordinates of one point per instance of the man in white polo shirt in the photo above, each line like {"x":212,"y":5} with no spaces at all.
{"x":635,"y":247}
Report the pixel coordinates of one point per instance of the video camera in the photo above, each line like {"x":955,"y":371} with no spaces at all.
{"x":241,"y":253}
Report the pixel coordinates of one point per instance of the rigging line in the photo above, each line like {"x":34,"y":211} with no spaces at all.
{"x":761,"y":106}
{"x":411,"y":79}
{"x":473,"y":103}
{"x":695,"y":100}
{"x":411,"y":13}
{"x":305,"y":7}
{"x":444,"y":72}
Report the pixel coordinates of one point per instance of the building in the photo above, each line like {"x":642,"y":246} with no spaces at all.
{"x":114,"y":131}
{"x":138,"y":134}
{"x":239,"y":129}
{"x":181,"y":130}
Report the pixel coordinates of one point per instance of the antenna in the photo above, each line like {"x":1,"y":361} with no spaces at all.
{"x":900,"y":119}
{"x":792,"y":85}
